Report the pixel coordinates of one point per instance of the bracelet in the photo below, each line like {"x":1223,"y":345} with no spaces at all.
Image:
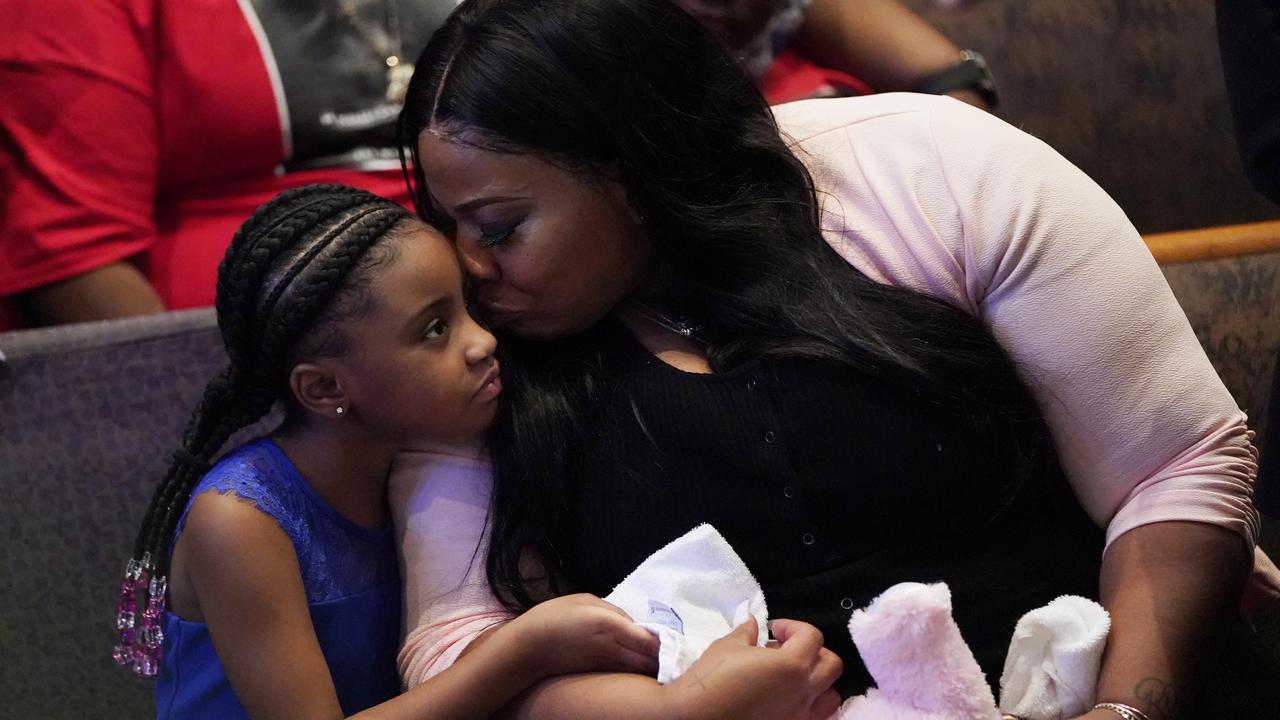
{"x":970,"y":73}
{"x":1128,"y":712}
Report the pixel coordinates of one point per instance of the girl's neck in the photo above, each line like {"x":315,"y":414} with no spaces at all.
{"x":349,"y":473}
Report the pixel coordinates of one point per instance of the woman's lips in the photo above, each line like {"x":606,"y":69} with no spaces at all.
{"x":500,"y":315}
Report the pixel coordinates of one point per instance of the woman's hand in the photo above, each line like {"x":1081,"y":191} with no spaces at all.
{"x":580,"y":633}
{"x":736,"y":679}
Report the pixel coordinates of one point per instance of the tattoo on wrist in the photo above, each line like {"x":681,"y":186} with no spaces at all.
{"x":1159,"y":697}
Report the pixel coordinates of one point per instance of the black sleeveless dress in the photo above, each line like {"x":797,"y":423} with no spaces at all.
{"x":832,"y":486}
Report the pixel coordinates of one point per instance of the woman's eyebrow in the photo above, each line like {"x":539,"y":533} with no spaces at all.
{"x":473,"y":205}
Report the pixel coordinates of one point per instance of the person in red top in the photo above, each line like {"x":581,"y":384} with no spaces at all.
{"x":136,"y":135}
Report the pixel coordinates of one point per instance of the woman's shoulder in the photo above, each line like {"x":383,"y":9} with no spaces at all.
{"x":804,"y":120}
{"x":898,"y":135}
{"x":927,"y":192}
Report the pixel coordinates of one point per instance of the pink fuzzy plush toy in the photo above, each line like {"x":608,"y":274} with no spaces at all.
{"x":924,"y":669}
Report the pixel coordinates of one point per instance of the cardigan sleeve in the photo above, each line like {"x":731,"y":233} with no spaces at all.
{"x":931,"y":194}
{"x":439,"y":503}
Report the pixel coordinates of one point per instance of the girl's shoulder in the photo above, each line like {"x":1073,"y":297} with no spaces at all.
{"x":257,"y":473}
{"x":337,"y":557}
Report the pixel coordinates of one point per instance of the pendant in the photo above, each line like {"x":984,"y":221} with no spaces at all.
{"x":679,"y":325}
{"x":398,"y":76}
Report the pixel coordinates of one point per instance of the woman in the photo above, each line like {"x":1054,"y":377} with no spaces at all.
{"x":906,"y":342}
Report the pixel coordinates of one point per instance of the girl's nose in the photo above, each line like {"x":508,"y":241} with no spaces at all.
{"x":481,"y":344}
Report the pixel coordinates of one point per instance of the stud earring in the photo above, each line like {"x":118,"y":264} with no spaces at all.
{"x":339,"y":410}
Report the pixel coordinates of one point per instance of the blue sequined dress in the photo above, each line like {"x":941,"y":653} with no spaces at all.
{"x":350,"y":575}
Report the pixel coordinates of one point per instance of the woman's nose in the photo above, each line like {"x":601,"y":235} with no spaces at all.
{"x":481,"y":344}
{"x":478,"y":262}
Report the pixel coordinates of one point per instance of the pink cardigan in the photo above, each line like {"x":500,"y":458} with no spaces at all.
{"x":931,"y":194}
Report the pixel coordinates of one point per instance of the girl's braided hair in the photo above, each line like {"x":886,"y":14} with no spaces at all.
{"x":300,"y":265}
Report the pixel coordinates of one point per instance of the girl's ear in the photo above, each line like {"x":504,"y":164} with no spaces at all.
{"x":316,"y":387}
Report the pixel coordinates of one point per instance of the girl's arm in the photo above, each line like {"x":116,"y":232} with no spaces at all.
{"x":439,"y":502}
{"x":733,"y":679}
{"x":566,"y":635}
{"x":244,"y":573}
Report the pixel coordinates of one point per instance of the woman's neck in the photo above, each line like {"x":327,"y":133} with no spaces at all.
{"x":664,"y":342}
{"x":349,"y":473}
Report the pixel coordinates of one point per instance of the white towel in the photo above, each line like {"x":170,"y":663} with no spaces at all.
{"x":690,"y":593}
{"x":1051,"y":671}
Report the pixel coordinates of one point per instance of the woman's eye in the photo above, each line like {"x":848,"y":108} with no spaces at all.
{"x":436,"y":329}
{"x":489,"y":238}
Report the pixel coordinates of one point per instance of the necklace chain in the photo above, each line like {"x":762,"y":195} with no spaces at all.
{"x":679,"y":324}
{"x":385,"y":42}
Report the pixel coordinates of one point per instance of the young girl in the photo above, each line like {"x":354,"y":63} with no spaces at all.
{"x":267,"y":586}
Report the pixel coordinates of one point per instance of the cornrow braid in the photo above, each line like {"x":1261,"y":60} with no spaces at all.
{"x":246,"y":264}
{"x":290,"y":262}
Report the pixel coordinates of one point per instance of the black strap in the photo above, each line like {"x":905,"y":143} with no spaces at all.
{"x":971,"y":73}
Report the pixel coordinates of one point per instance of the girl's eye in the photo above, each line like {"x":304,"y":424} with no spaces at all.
{"x":436,"y":329}
{"x":489,"y":238}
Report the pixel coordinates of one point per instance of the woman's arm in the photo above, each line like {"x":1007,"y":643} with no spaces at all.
{"x":958,"y":204}
{"x":1167,"y":586}
{"x":1156,"y":448}
{"x":929,"y":194}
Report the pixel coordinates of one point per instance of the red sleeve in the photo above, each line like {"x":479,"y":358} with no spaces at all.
{"x":78,"y":138}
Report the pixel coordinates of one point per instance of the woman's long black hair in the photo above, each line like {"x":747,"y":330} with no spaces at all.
{"x":637,"y":89}
{"x":300,"y":265}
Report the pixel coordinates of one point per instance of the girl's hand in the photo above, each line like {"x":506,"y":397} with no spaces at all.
{"x":582,"y":633}
{"x":736,"y":679}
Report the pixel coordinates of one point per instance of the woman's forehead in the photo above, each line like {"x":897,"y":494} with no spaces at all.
{"x":458,"y":173}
